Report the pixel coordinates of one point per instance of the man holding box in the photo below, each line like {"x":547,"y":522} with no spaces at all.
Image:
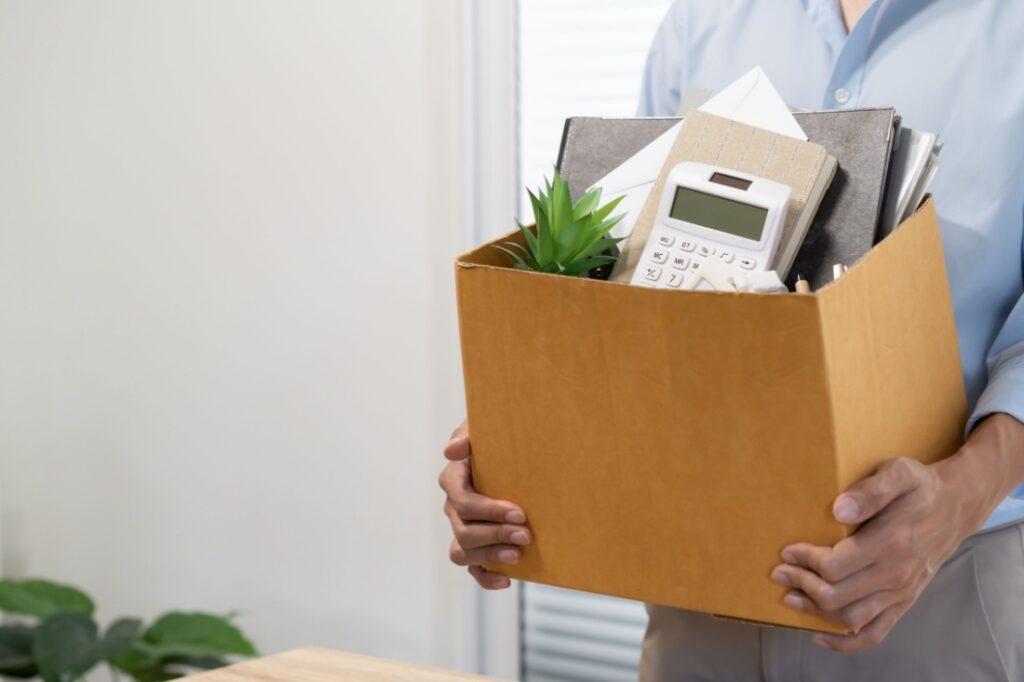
{"x":930,"y":596}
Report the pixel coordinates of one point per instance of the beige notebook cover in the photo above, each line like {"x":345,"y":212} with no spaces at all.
{"x":709,"y":139}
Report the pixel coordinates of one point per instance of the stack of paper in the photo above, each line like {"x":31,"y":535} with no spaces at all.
{"x":914,"y":165}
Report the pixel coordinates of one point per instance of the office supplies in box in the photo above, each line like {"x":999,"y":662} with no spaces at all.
{"x":667,"y":445}
{"x":611,"y":153}
{"x":805,"y":167}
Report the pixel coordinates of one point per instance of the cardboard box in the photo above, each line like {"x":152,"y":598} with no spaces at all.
{"x":667,"y":445}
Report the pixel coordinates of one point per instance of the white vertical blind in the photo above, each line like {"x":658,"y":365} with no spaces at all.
{"x":577,"y":58}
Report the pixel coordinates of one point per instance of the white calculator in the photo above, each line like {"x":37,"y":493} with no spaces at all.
{"x":710,"y":212}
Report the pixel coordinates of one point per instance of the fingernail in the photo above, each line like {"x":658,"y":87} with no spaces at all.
{"x":794,"y":602}
{"x":520,"y":538}
{"x":515,"y":517}
{"x":508,"y":556}
{"x":779,"y":577}
{"x":788,"y":557}
{"x":846,"y":510}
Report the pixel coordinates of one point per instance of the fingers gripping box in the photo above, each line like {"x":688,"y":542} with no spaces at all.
{"x":666,"y":445}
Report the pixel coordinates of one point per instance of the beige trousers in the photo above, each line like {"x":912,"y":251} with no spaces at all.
{"x":967,"y":626}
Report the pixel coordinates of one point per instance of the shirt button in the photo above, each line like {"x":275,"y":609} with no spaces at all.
{"x":842,"y":95}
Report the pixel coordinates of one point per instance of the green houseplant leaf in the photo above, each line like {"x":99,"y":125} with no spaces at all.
{"x":180,"y":642}
{"x":119,"y":637}
{"x":16,"y":659}
{"x":566,"y":238}
{"x":519,"y":260}
{"x":66,"y":643}
{"x":42,"y":598}
{"x":197,"y":635}
{"x":587,"y":203}
{"x":65,"y":646}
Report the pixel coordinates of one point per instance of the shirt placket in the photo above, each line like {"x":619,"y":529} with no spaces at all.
{"x":844,"y":87}
{"x":844,"y":90}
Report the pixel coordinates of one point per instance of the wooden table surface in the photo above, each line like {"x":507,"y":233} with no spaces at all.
{"x":323,"y":665}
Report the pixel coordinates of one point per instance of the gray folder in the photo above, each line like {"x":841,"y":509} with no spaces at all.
{"x":845,"y":228}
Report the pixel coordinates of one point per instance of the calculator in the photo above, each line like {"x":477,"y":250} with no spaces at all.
{"x":712,"y":212}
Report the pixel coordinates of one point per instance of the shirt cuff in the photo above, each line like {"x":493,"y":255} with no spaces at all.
{"x":1004,"y":393}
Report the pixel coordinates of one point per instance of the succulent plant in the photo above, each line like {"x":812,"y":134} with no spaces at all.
{"x":567,"y":239}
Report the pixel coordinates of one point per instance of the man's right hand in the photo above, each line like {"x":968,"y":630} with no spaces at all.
{"x":486,"y":531}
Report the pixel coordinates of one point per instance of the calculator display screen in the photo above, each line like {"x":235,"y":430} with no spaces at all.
{"x":717,"y":213}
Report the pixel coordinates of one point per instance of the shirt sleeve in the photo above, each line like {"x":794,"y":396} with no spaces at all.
{"x":1005,"y":390}
{"x":662,"y":87}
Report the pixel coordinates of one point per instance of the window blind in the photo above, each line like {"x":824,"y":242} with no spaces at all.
{"x":573,"y":636}
{"x":577,"y":58}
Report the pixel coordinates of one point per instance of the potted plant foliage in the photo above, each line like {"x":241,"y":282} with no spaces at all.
{"x":53,"y":636}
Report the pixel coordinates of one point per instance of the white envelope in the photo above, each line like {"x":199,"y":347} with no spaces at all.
{"x":755,"y":101}
{"x":635,"y":178}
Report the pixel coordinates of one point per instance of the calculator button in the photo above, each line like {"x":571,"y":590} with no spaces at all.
{"x":706,"y":251}
{"x":666,"y":240}
{"x":695,"y":266}
{"x":652,"y":273}
{"x":675,"y":279}
{"x":681,"y":262}
{"x":687,"y":246}
{"x":727,"y":256}
{"x":748,"y":263}
{"x":660,"y":256}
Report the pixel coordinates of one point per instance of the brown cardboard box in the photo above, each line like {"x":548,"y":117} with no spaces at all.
{"x":667,"y":445}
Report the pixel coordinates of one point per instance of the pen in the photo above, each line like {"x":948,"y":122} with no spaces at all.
{"x":802,"y":285}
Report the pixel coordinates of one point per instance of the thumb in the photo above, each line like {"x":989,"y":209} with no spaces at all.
{"x":458,"y":447}
{"x":866,"y":499}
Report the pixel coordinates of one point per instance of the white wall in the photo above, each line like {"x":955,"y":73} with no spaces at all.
{"x":228,"y":351}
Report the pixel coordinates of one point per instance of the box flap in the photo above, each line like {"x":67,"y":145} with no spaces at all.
{"x":892,"y":353}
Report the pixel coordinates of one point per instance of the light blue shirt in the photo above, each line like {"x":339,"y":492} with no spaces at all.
{"x":951,"y":67}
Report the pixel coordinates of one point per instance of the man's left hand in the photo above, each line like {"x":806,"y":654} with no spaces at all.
{"x":914,"y":516}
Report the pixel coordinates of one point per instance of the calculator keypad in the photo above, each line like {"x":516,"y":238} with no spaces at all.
{"x":680,"y":257}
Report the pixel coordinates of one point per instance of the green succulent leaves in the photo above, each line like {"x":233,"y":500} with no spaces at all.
{"x":569,"y":239}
